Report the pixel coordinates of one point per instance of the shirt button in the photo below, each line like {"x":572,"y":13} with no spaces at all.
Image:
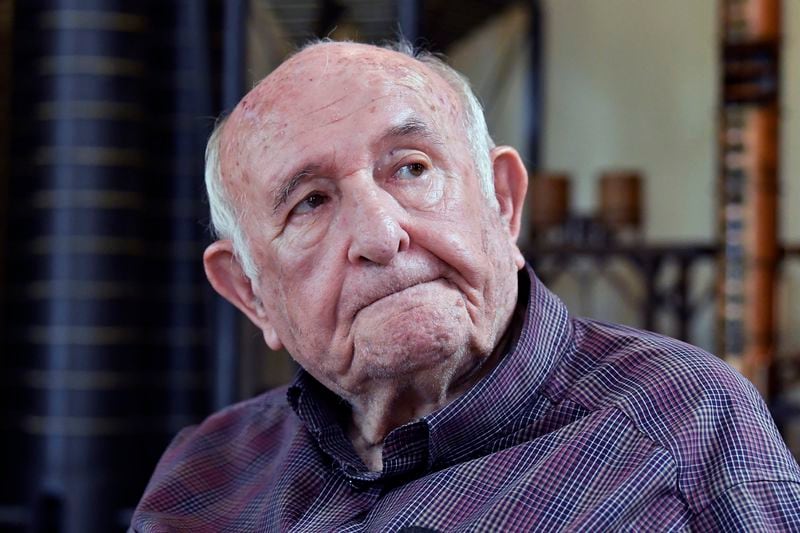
{"x":355,"y":484}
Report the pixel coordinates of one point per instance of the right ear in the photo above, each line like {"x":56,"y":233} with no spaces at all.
{"x":226,"y":275}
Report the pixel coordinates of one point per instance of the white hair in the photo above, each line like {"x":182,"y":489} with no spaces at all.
{"x":226,"y":219}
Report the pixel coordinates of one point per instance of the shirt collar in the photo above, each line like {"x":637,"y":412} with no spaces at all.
{"x":464,"y":428}
{"x":488,"y":410}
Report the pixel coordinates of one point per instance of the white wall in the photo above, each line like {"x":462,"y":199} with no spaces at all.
{"x":632,"y":83}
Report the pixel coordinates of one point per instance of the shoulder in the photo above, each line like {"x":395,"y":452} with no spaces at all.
{"x":623,"y":365}
{"x":710,"y":419}
{"x":246,"y":439}
{"x":235,"y":426}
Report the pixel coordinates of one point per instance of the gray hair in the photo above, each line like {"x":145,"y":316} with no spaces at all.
{"x":226,"y":220}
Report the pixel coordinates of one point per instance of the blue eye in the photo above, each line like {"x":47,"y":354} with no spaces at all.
{"x":411,"y":171}
{"x":309,"y":203}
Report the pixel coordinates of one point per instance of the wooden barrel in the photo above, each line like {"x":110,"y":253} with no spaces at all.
{"x":621,"y":199}
{"x":548,"y":200}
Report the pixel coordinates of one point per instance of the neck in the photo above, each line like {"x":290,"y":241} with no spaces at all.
{"x":391,"y":405}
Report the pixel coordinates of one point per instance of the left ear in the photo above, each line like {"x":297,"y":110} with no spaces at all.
{"x":510,"y":186}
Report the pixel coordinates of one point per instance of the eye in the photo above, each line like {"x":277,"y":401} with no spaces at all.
{"x":309,"y":203}
{"x":411,"y":171}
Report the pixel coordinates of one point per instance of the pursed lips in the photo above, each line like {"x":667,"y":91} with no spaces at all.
{"x":390,"y":290}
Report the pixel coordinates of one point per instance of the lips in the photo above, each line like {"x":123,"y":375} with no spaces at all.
{"x":368,"y":294}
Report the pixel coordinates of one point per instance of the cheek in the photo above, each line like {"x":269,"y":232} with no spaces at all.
{"x":458,"y":221}
{"x":456,"y":241}
{"x":300,"y":301}
{"x":308,"y":282}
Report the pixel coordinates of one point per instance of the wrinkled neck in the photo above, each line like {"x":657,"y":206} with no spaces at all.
{"x":388,"y":406}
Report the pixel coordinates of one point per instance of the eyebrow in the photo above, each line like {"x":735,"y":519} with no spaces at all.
{"x":412,"y":127}
{"x":290,"y":184}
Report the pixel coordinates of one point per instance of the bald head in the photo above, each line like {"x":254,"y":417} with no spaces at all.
{"x":324,"y":64}
{"x":266,"y":120}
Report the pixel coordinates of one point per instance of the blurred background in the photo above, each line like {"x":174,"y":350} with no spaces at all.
{"x":661,"y":138}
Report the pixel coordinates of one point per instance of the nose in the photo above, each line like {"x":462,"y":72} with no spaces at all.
{"x":376,"y":229}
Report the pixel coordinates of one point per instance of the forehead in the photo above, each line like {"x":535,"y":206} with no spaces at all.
{"x":331,"y":89}
{"x":335,"y":73}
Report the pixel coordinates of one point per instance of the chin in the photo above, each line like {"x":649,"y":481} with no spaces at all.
{"x":403,"y":348}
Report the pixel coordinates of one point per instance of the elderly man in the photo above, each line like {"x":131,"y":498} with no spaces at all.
{"x":368,"y":224}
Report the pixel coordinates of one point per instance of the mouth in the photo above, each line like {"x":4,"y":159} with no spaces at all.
{"x":393,"y":292}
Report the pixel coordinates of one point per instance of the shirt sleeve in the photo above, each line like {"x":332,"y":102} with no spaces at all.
{"x":753,"y":506}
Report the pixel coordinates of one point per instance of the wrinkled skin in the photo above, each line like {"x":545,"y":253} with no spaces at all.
{"x":383,"y":268}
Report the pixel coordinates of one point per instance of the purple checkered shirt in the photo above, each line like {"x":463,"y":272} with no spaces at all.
{"x":582,"y":426}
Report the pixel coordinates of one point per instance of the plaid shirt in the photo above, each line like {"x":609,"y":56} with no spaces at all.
{"x":582,"y":426}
